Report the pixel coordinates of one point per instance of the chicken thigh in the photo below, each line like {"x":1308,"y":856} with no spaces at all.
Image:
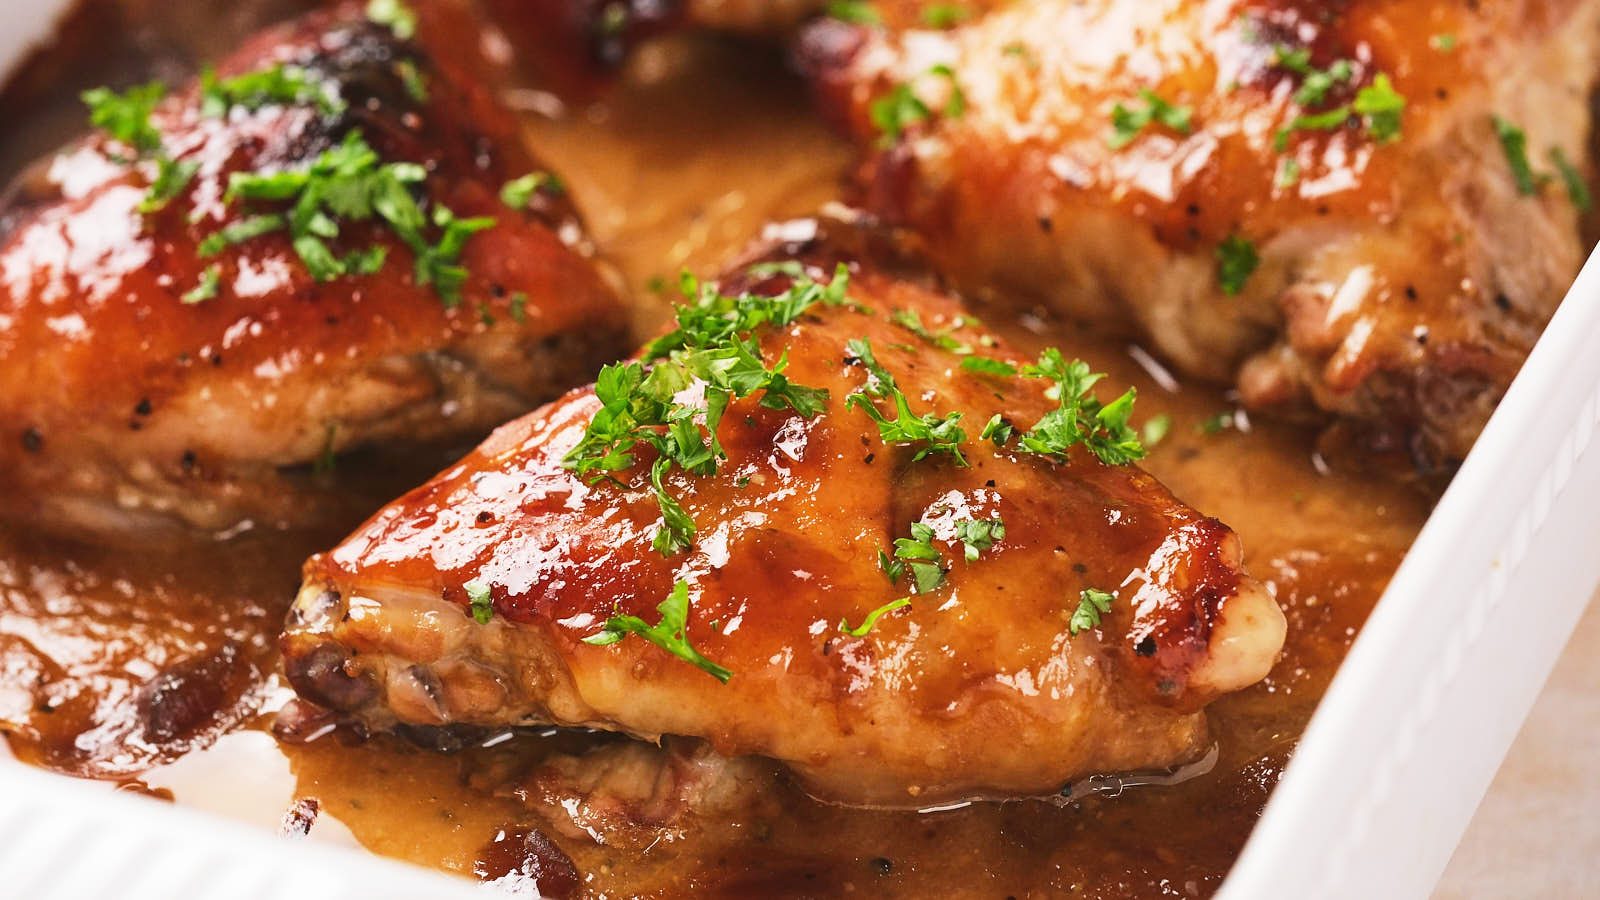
{"x":1364,"y":209}
{"x":813,"y":524}
{"x":337,"y":240}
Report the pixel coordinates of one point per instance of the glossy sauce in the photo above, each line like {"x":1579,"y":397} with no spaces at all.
{"x":703,"y":144}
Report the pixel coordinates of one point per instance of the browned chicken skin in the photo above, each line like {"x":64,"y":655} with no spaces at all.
{"x":1402,"y":278}
{"x":124,"y":406}
{"x":789,"y":531}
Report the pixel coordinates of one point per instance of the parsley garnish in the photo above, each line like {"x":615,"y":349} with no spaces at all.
{"x":937,"y":434}
{"x":517,"y":192}
{"x":126,"y":116}
{"x":1236,"y":262}
{"x":1515,"y":144}
{"x":977,"y":535}
{"x":910,"y":321}
{"x":1315,"y":83}
{"x":945,"y":15}
{"x":350,"y":183}
{"x":519,"y":307}
{"x":1444,"y":42}
{"x":1381,"y":106}
{"x":479,"y":603}
{"x":1092,"y":604}
{"x":399,"y":17}
{"x":1216,"y":423}
{"x":983,"y":365}
{"x":920,"y":556}
{"x":901,"y":108}
{"x":327,"y":460}
{"x":872,"y":617}
{"x":1126,"y":123}
{"x":172,"y":176}
{"x":1156,"y":428}
{"x":1079,"y":418}
{"x":858,"y":12}
{"x":712,"y":345}
{"x":1577,"y":188}
{"x":280,"y":84}
{"x":669,"y":634}
{"x":210,"y":281}
{"x":416,"y":83}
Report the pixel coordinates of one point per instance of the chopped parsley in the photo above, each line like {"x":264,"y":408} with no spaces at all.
{"x":977,"y":535}
{"x":1380,"y":105}
{"x":1156,"y":428}
{"x":172,"y":176}
{"x":278,"y":85}
{"x":517,"y":192}
{"x":1444,"y":42}
{"x":901,"y":108}
{"x":984,"y":365}
{"x":1237,"y":260}
{"x":1216,"y":423}
{"x":1092,"y":604}
{"x":712,"y":345}
{"x":1577,"y":187}
{"x":936,"y":433}
{"x":669,"y":634}
{"x":858,"y":12}
{"x":479,"y":603}
{"x":210,"y":281}
{"x":415,"y":82}
{"x":1079,"y":418}
{"x":126,"y":116}
{"x":519,"y":307}
{"x":396,"y":15}
{"x":1127,"y":123}
{"x":917,"y":554}
{"x":327,"y":460}
{"x":910,"y":321}
{"x":872,"y":617}
{"x":1315,"y":83}
{"x":945,"y":15}
{"x":350,"y":183}
{"x":1515,"y":144}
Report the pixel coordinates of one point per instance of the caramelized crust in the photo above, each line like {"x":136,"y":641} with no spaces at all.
{"x":123,"y":406}
{"x":1401,"y":283}
{"x":790,"y":529}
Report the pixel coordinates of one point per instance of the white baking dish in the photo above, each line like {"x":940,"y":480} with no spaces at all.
{"x":1375,"y":799}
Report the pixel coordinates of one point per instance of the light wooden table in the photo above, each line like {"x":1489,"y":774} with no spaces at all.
{"x":1537,"y":832}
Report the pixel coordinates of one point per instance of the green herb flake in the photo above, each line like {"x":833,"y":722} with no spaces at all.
{"x":1381,"y":106}
{"x":935,"y":433}
{"x":1237,"y":260}
{"x":857,"y":12}
{"x":984,"y":365}
{"x":873,"y":617}
{"x":714,"y":346}
{"x":1577,"y":187}
{"x":899,"y":109}
{"x":327,"y":460}
{"x":1092,"y":604}
{"x":210,"y":282}
{"x":910,"y":321}
{"x":479,"y":602}
{"x":277,"y":85}
{"x":977,"y":535}
{"x":172,"y":176}
{"x":126,"y":116}
{"x":1155,"y":429}
{"x":670,"y":634}
{"x":519,"y":307}
{"x":517,"y":192}
{"x":1444,"y":42}
{"x":1079,"y":417}
{"x":945,"y":15}
{"x":415,"y":82}
{"x":1216,"y":423}
{"x":1127,"y":122}
{"x":395,"y":15}
{"x":1515,"y":144}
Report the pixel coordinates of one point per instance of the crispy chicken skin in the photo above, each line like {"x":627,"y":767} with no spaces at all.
{"x":790,"y":528}
{"x":1401,"y":282}
{"x":123,"y":406}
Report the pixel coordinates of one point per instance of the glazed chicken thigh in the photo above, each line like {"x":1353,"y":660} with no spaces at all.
{"x":1354,"y":209}
{"x":306,"y":252}
{"x":861,"y":587}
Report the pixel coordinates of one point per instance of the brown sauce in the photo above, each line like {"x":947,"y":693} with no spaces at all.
{"x":154,"y":670}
